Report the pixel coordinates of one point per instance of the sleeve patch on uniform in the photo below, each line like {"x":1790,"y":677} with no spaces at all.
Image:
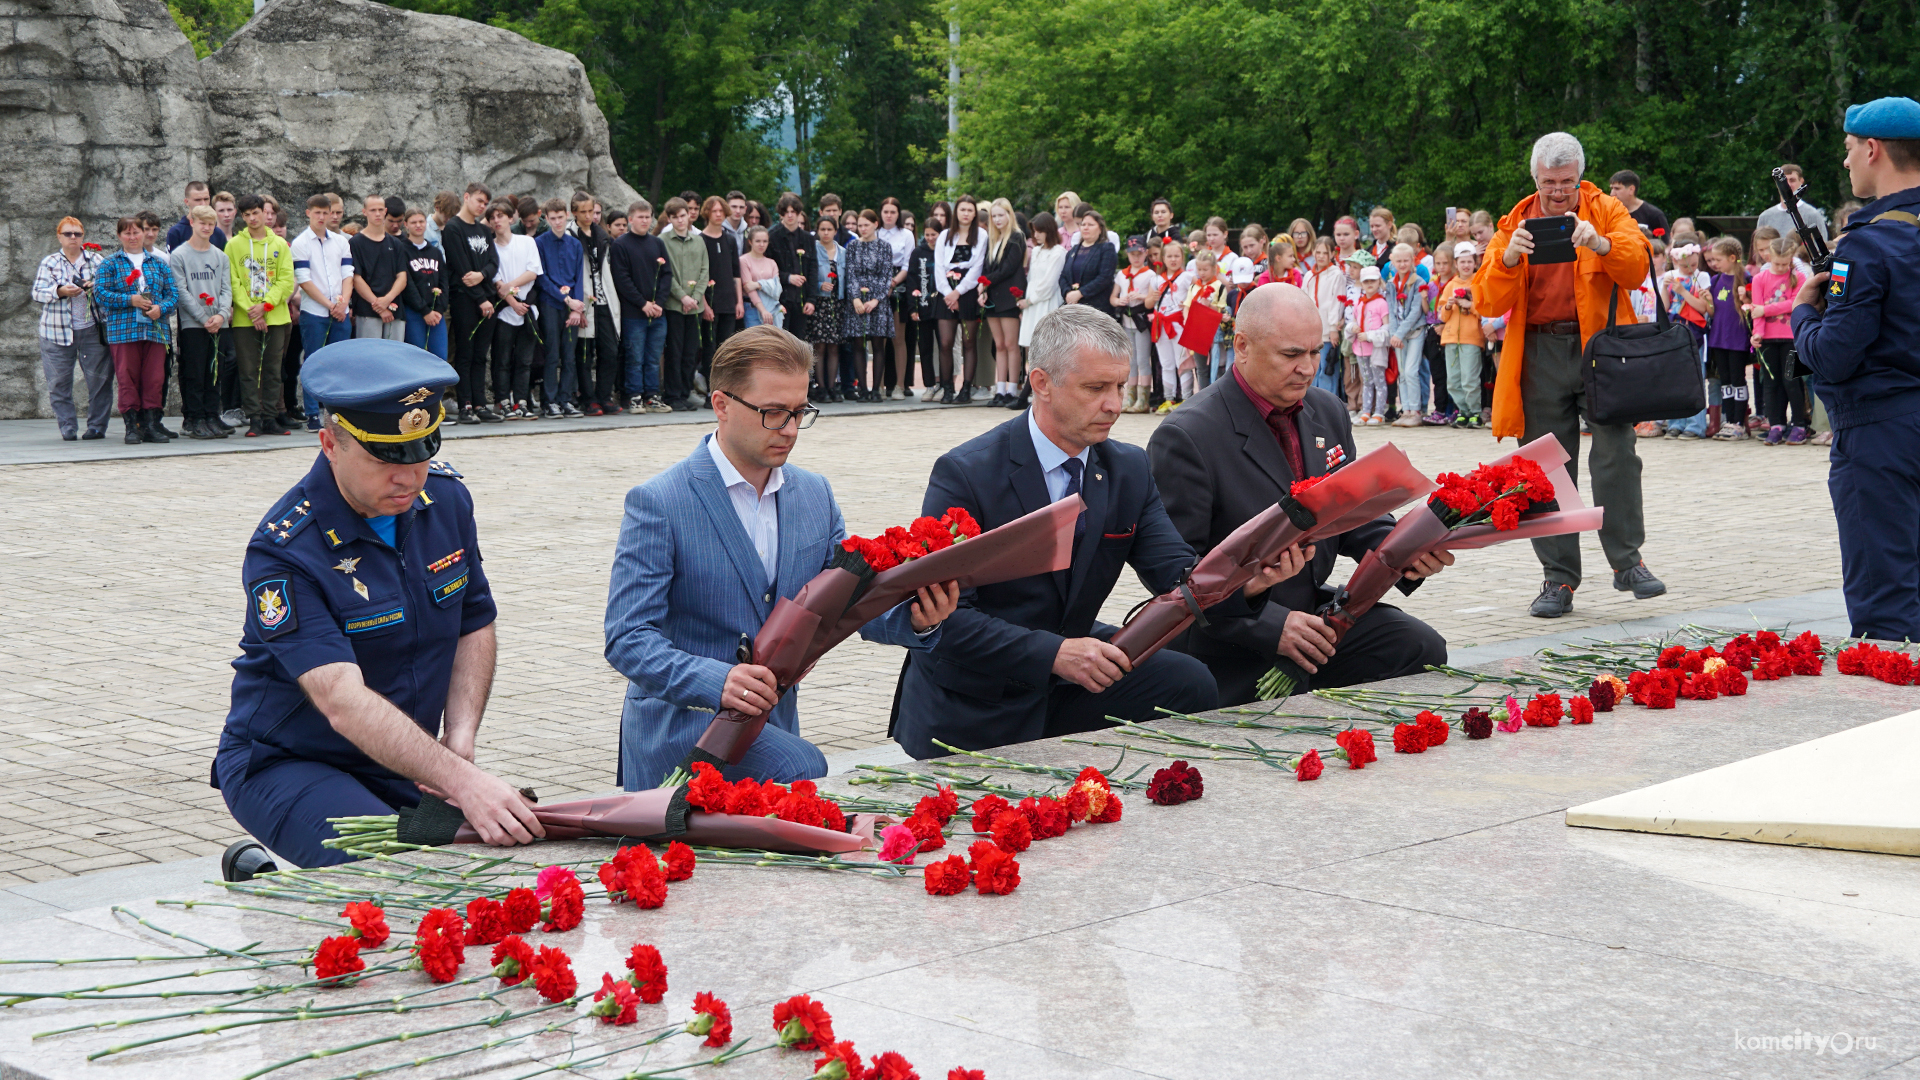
{"x":1837,"y":285}
{"x":273,"y":608}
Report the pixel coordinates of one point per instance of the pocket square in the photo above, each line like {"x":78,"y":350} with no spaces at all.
{"x":1121,"y":535}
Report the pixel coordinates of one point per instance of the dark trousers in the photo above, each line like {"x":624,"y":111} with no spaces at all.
{"x":199,"y":393}
{"x":560,"y":366}
{"x":469,"y":349}
{"x":260,"y":355}
{"x":291,"y":358}
{"x":1780,"y":389}
{"x":925,"y":339}
{"x":1874,"y":480}
{"x":229,"y":371}
{"x":1167,"y":679}
{"x":1385,"y":644}
{"x":602,"y":379}
{"x":712,"y":336}
{"x":139,"y":371}
{"x":513,"y":359}
{"x":678,"y":363}
{"x":1553,"y":396}
{"x":1436,"y":358}
{"x":286,"y":803}
{"x":1730,"y":367}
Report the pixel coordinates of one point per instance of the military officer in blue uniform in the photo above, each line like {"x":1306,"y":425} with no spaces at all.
{"x":1858,"y":329}
{"x":368,"y":651}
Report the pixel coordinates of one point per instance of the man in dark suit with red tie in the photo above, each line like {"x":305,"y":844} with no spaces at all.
{"x":1228,"y":454}
{"x":1025,"y":659}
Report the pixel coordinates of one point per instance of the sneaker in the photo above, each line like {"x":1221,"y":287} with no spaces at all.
{"x":1681,"y":433}
{"x":1166,"y":407}
{"x":1639,"y":580}
{"x":1730,"y":433}
{"x":570,"y":412}
{"x":1775,"y":434}
{"x":1376,"y":420}
{"x":234,"y":418}
{"x":1436,"y":419}
{"x":313,"y":423}
{"x":655,"y":405}
{"x":1554,"y":601}
{"x":487,"y":416}
{"x":1407,"y":420}
{"x":684,"y":405}
{"x":1756,"y":423}
{"x":1463,"y":421}
{"x":930,"y":394}
{"x":468,"y":416}
{"x":592,"y":409}
{"x":1649,"y":429}
{"x":553,"y":410}
{"x":1825,"y":438}
{"x":1796,"y":436}
{"x":637,"y":404}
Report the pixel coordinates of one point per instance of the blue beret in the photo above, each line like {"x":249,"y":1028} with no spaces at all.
{"x":386,"y":394}
{"x":1885,"y":118}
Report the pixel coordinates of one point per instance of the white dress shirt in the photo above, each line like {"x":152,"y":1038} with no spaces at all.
{"x":1053,"y":461}
{"x":759,"y":512}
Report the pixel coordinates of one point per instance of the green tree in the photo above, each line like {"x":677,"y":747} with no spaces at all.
{"x":209,"y":23}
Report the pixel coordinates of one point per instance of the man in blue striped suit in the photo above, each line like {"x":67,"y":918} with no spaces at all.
{"x":706,"y":549}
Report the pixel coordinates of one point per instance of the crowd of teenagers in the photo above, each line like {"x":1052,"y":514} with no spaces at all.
{"x":565,"y":308}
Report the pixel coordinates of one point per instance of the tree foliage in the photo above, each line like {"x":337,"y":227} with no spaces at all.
{"x":208,"y":23}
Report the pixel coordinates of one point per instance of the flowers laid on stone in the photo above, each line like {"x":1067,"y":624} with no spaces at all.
{"x":1178,"y":783}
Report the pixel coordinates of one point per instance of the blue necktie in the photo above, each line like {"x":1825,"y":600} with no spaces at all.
{"x":1074,"y":467}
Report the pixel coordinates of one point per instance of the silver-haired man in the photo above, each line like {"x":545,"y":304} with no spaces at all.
{"x":1027,"y":659}
{"x":1552,"y":309}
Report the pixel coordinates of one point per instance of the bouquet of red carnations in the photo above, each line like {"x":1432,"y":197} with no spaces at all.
{"x":1525,"y":495}
{"x":868,"y":576}
{"x":1316,"y":507}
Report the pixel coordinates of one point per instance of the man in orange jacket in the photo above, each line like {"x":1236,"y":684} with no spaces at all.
{"x":1552,"y":310}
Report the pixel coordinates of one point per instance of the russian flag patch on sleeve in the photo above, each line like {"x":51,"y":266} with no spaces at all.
{"x":1837,"y":284}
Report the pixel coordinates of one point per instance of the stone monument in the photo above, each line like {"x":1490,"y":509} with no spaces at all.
{"x":107,"y":112}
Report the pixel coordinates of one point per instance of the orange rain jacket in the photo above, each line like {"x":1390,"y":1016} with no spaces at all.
{"x":1499,"y":289}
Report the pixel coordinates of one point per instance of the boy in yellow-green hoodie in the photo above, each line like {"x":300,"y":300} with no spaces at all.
{"x":262,"y":265}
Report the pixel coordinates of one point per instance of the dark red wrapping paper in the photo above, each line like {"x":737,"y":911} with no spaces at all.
{"x":800,"y":631}
{"x":1373,"y":484}
{"x":642,"y":814}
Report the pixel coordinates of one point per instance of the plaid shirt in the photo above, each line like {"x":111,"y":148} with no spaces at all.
{"x":124,"y":321}
{"x":56,"y":316}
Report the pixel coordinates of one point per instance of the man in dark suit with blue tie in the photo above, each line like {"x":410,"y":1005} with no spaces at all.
{"x":1025,"y":659}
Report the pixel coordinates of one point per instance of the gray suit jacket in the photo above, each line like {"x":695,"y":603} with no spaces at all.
{"x":1217,"y":464}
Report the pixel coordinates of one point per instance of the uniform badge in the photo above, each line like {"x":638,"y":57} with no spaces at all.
{"x":442,"y":563}
{"x":1319,"y":442}
{"x":417,"y":396}
{"x":273,"y":607}
{"x":1837,"y":285}
{"x":1336,"y":457}
{"x":414,"y":420}
{"x":347,"y":566}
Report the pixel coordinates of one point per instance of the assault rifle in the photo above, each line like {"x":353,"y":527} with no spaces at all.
{"x":1819,"y":256}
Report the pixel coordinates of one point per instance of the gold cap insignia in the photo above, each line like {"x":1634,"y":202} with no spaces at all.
{"x":414,"y":420}
{"x":417,"y":396}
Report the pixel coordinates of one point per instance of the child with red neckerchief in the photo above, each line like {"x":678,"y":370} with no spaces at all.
{"x":1169,"y":315}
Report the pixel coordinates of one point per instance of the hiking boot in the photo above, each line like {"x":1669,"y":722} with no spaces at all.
{"x":1554,"y":601}
{"x":1639,"y":580}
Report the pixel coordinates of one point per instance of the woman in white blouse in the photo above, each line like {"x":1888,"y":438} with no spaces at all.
{"x":894,"y":231}
{"x":957,"y":257}
{"x":1044,"y":258}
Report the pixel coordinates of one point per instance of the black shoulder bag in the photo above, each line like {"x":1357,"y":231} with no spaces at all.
{"x":1642,"y":371}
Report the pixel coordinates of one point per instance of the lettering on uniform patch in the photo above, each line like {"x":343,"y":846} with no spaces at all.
{"x":451,"y":587}
{"x":272,"y":607}
{"x":364,"y":623}
{"x":1837,"y":285}
{"x":441,"y":564}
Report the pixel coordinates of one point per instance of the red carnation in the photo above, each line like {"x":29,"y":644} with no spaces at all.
{"x":943,"y":804}
{"x":1895,"y":668}
{"x":439,"y":941}
{"x":369,"y":922}
{"x":205,"y":299}
{"x":985,"y":809}
{"x":1477,"y":723}
{"x":966,"y":1074}
{"x":1773,"y":664}
{"x":803,"y":1023}
{"x":1602,"y":695}
{"x":1309,"y":766}
{"x":1582,"y":710}
{"x":1856,"y":660}
{"x":1436,"y":729}
{"x":891,"y":1066}
{"x":1358,"y":746}
{"x":1732,"y":682}
{"x":1046,"y":816}
{"x":1103,"y":806}
{"x":1807,"y":663}
{"x":930,"y":532}
{"x":615,"y":1002}
{"x":552,"y":973}
{"x":994,"y":871}
{"x":1543,"y":710}
{"x":1304,"y":485}
{"x":522,"y":909}
{"x":1764,"y":641}
{"x":711,"y":1018}
{"x":336,"y":958}
{"x":679,"y":859}
{"x":1503,"y":516}
{"x":1807,"y":642}
{"x":648,"y":973}
{"x":1409,"y":739}
{"x":927,"y":830}
{"x":1671,"y":656}
{"x":707,"y":791}
{"x":946,"y":877}
{"x":566,"y":905}
{"x":1076,"y":802}
{"x":959,"y":521}
{"x":1175,"y":784}
{"x":1012,"y":833}
{"x":486,"y":921}
{"x":841,"y":1062}
{"x":512,"y":960}
{"x":748,"y":799}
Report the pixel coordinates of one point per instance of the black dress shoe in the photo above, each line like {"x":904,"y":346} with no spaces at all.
{"x":198,"y":429}
{"x":92,"y":435}
{"x":1018,"y":403}
{"x":966,"y":396}
{"x":946,"y":396}
{"x":244,"y":859}
{"x":220,"y":426}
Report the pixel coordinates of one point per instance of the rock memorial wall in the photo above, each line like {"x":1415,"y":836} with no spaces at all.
{"x":104,"y":111}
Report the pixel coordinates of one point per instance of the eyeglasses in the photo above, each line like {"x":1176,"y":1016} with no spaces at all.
{"x":776,"y":419}
{"x":73,"y":235}
{"x":1557,"y":185}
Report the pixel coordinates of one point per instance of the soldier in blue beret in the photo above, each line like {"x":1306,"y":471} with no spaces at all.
{"x":368,"y":650}
{"x":1858,"y":329}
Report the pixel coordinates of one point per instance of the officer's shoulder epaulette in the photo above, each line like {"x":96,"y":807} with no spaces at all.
{"x":285,"y":520}
{"x":441,"y":468}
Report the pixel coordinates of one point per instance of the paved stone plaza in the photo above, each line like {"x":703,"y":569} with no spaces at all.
{"x":124,"y":601}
